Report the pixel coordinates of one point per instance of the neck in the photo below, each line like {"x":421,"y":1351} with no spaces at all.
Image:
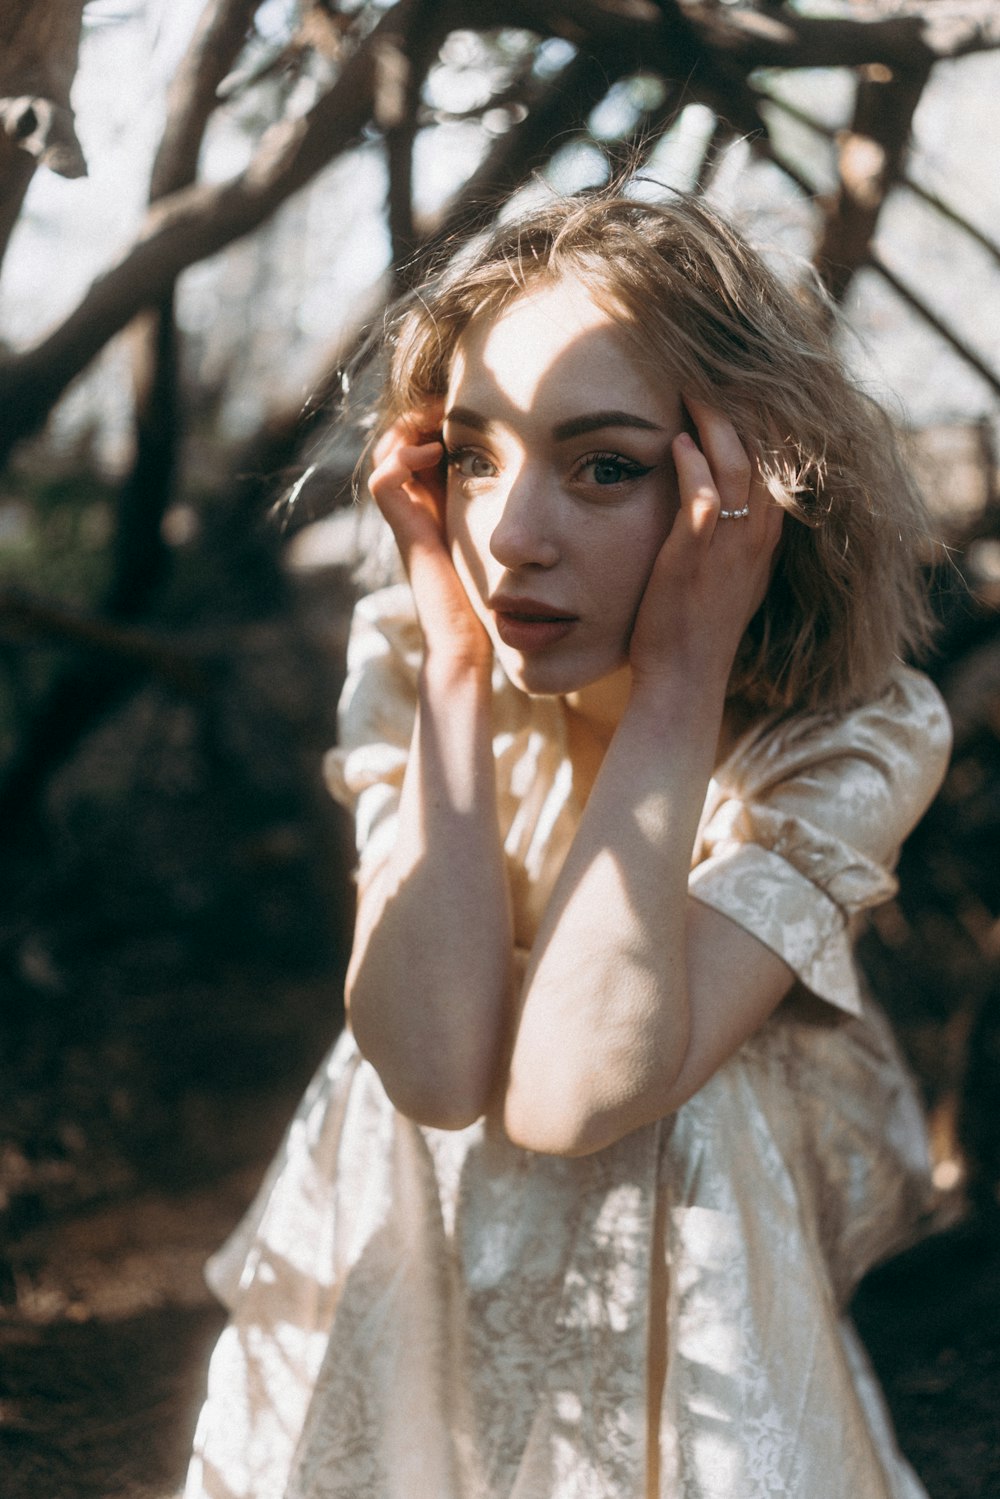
{"x":598,"y":708}
{"x":602,"y":703}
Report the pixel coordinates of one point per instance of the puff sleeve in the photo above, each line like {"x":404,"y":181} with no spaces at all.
{"x":803,"y":826}
{"x":375,"y":719}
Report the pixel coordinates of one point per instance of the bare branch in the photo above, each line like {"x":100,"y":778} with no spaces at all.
{"x":870,"y":157}
{"x":46,"y":131}
{"x":914,"y":39}
{"x":402,"y":64}
{"x":192,"y":97}
{"x":554,"y":117}
{"x":916,"y":302}
{"x":945,"y":210}
{"x":751,"y":39}
{"x":183,"y":663}
{"x":185,"y":227}
{"x":139,"y":553}
{"x":39,"y":48}
{"x":953,"y":216}
{"x":707,"y":46}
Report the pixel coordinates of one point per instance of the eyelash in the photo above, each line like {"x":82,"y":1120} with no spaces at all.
{"x":631,"y":470}
{"x":454,"y":457}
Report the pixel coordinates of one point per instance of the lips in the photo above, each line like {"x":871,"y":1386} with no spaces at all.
{"x":527,"y":624}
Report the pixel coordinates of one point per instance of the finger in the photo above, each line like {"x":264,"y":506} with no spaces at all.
{"x":410,"y":503}
{"x":421,"y":456}
{"x":699,"y":507}
{"x":402,"y":434}
{"x":738,"y":480}
{"x":398,"y":468}
{"x":730,"y":464}
{"x":422,"y":424}
{"x":413,"y":428}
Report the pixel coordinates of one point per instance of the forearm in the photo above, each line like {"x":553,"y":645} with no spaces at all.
{"x":430,"y":974}
{"x":604,"y":1015}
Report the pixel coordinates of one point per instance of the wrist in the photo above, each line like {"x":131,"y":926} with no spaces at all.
{"x":453,"y":670}
{"x":670,"y":693}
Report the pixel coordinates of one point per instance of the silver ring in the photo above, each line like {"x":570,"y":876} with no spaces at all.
{"x":735,"y":514}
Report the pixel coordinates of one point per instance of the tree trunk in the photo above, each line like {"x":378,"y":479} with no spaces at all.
{"x":139,"y":552}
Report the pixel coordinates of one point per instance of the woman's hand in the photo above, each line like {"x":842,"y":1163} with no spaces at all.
{"x":712,"y":572}
{"x":409,"y":486}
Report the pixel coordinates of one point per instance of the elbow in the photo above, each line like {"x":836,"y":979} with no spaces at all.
{"x":432,"y":1112}
{"x":423,"y":1088}
{"x":581,"y":1119}
{"x":554,"y":1142}
{"x":430,"y":1101}
{"x":558,"y":1127}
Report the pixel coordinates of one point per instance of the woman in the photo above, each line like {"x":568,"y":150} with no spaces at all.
{"x":576,"y":1204}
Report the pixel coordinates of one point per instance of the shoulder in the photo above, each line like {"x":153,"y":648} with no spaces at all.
{"x":908,"y":715}
{"x":900,"y":738}
{"x":805,"y":820}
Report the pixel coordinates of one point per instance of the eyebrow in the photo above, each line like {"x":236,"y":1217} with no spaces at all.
{"x":576,"y":426}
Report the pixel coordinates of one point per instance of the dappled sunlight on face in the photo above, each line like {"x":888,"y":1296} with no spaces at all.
{"x":561,"y":485}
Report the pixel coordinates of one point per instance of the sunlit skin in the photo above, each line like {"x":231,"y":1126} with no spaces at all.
{"x":559,"y":509}
{"x":561,"y":487}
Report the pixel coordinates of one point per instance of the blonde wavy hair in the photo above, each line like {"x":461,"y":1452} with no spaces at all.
{"x":847,"y":598}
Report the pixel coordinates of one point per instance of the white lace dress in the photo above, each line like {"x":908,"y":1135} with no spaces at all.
{"x":419,"y":1314}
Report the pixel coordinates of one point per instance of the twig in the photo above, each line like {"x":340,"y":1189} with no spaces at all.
{"x":912,"y":300}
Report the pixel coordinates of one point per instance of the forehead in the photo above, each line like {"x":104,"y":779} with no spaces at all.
{"x":551,"y":347}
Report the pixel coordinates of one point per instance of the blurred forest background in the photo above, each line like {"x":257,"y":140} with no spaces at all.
{"x":205,"y":206}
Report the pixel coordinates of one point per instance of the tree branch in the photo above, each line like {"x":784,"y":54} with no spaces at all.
{"x":945,"y":210}
{"x":673,"y":38}
{"x":752,"y":39}
{"x":193,"y":94}
{"x":46,"y":131}
{"x":139,"y":552}
{"x":403,"y":62}
{"x":916,"y":39}
{"x":78,"y":696}
{"x":952,"y":215}
{"x":39,"y":49}
{"x":911,"y":298}
{"x":870,"y":157}
{"x":184,"y":664}
{"x":185,"y":227}
{"x":555,"y":116}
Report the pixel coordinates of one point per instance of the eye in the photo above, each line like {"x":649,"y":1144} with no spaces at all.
{"x":467,"y":463}
{"x":606,"y":469}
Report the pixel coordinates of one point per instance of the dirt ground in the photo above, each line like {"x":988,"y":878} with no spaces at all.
{"x":104,"y":1346}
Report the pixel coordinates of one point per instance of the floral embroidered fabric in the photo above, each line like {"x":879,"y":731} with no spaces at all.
{"x":427,"y":1315}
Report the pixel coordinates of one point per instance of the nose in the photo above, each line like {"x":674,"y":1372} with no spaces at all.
{"x":524,"y":534}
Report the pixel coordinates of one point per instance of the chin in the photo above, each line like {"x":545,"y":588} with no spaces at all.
{"x":547,"y":676}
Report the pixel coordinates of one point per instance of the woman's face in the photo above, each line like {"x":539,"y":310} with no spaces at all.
{"x":561,"y":486}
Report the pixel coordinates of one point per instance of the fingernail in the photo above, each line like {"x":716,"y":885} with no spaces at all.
{"x":684,"y":440}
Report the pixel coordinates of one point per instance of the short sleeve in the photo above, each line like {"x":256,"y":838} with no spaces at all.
{"x":804,"y":824}
{"x":375,"y":718}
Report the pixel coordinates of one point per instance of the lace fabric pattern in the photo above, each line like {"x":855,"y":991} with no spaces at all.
{"x":427,"y":1315}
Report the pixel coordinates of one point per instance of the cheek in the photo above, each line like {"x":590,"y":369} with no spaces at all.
{"x":470,"y":520}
